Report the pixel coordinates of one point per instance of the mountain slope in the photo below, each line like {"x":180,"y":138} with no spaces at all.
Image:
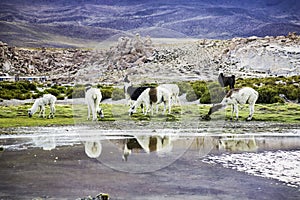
{"x":36,"y":23}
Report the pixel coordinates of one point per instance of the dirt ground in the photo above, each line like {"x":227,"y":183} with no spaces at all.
{"x":67,"y":173}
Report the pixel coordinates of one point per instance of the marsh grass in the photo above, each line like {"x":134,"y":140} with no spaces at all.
{"x":16,"y":116}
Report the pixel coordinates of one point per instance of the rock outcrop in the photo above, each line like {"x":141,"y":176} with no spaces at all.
{"x":145,"y":61}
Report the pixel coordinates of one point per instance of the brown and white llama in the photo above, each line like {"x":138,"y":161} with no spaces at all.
{"x":152,"y":96}
{"x":156,"y":143}
{"x":235,"y":97}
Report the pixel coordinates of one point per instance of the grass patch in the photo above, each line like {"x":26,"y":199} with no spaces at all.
{"x":16,"y":116}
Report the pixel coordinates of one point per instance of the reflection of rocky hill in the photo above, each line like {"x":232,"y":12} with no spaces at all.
{"x":65,"y":23}
{"x":144,"y":60}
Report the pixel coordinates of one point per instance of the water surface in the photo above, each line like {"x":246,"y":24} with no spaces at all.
{"x":237,"y":161}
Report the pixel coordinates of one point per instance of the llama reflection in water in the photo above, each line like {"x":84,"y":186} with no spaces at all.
{"x":233,"y":144}
{"x":45,"y":142}
{"x":159,"y":144}
{"x":93,"y":149}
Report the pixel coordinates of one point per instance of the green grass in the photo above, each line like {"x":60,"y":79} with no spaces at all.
{"x":277,"y":112}
{"x":16,"y":116}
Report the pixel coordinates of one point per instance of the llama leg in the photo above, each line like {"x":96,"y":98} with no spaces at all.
{"x":151,"y":107}
{"x":251,"y":102}
{"x":143,"y":108}
{"x":179,"y":103}
{"x":251,"y":108}
{"x":236,"y":108}
{"x":94,"y":113}
{"x":165,"y":108}
{"x":169,"y":105}
{"x":232,"y":111}
{"x":100,"y":112}
{"x":42,"y":112}
{"x":89,"y":112}
{"x":147,"y":109}
{"x":52,"y":111}
{"x":158,"y":144}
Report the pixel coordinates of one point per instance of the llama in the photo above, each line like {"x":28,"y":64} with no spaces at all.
{"x":237,"y":144}
{"x":152,"y":96}
{"x":93,"y":97}
{"x":132,"y":93}
{"x":159,"y":144}
{"x":235,"y":97}
{"x":93,"y":149}
{"x":226,"y":80}
{"x":174,"y":90}
{"x":40,"y":103}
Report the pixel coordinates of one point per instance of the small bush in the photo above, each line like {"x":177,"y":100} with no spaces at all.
{"x":60,"y":97}
{"x":106,"y":92}
{"x":184,"y":87}
{"x":205,"y":98}
{"x":200,"y":87}
{"x":118,"y":94}
{"x":77,"y":92}
{"x":52,"y":91}
{"x":191,"y":95}
{"x":267,"y":95}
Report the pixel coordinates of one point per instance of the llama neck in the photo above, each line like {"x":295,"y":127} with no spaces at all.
{"x":138,"y":102}
{"x":35,"y":106}
{"x":127,"y":87}
{"x":142,"y":98}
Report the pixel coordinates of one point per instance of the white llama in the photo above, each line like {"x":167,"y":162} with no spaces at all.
{"x":241,"y":96}
{"x":40,"y":103}
{"x":174,"y":90}
{"x":93,"y":149}
{"x":93,"y":97}
{"x":152,"y":96}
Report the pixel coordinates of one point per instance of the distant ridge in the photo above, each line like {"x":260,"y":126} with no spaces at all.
{"x":66,"y":23}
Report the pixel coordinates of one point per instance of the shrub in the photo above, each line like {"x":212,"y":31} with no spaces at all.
{"x":205,"y":98}
{"x":200,"y":87}
{"x":106,"y":93}
{"x":60,"y":97}
{"x":191,"y":95}
{"x":118,"y":94}
{"x":267,"y":95}
{"x":184,"y":87}
{"x":69,"y":92}
{"x":52,"y":91}
{"x":77,"y":92}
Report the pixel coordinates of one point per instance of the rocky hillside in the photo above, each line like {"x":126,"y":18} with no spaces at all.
{"x":146,"y":61}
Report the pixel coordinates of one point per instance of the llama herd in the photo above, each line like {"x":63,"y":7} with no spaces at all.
{"x":148,"y":96}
